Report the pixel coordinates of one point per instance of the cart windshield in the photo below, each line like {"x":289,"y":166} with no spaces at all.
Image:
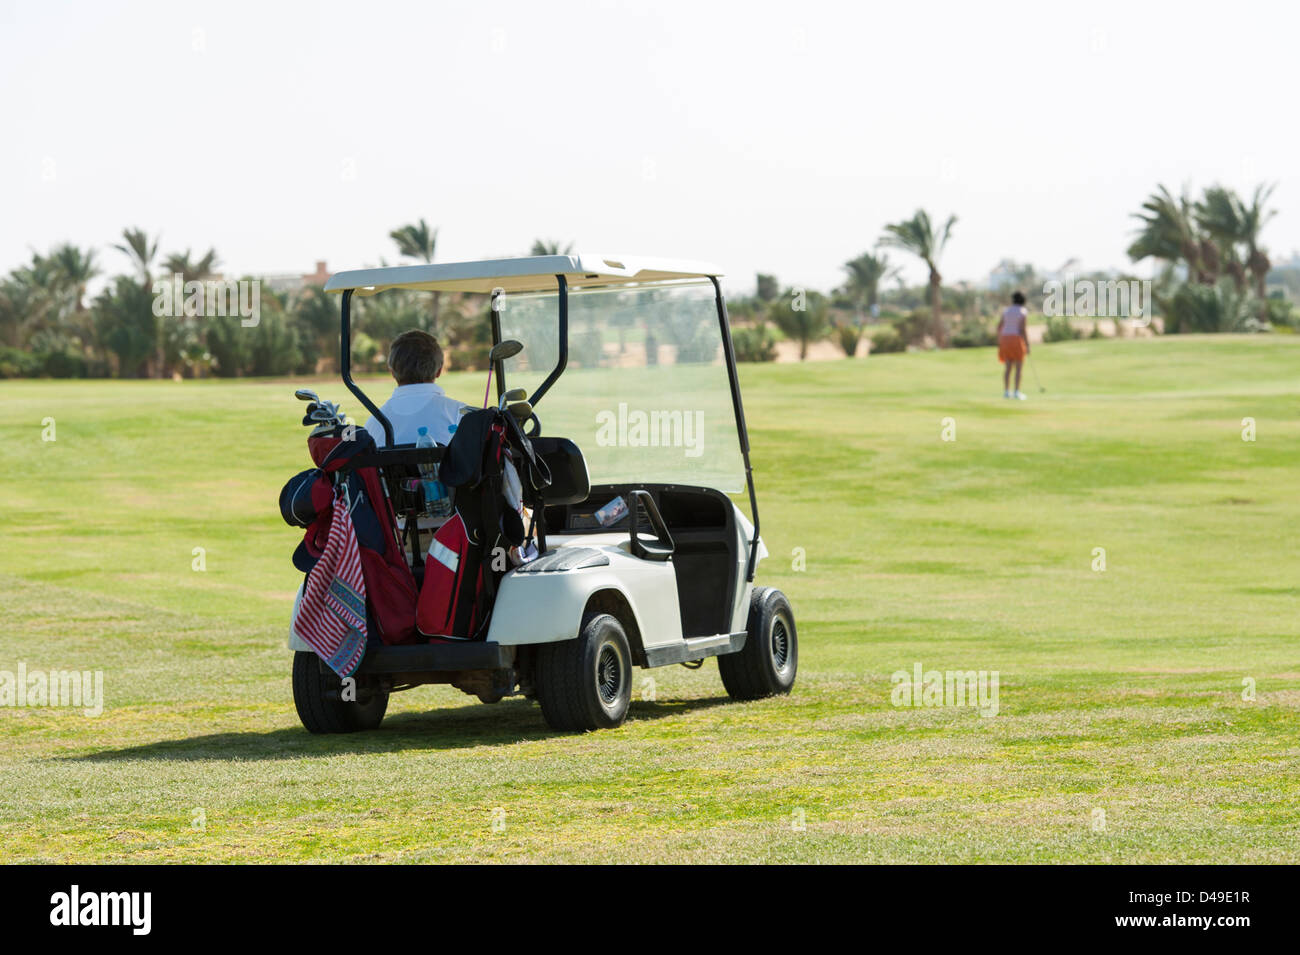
{"x":645,"y":392}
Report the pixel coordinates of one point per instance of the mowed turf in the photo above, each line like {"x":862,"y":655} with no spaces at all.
{"x":1126,"y":731}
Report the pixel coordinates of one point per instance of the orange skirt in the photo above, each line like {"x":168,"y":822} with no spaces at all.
{"x":1011,"y":348}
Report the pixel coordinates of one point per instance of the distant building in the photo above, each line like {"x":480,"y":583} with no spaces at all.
{"x":1004,"y":275}
{"x":283,"y":282}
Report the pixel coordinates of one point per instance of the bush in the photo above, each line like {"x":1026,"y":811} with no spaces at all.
{"x":848,"y":337}
{"x":1281,"y":313}
{"x":1059,"y":329}
{"x":973,"y":333}
{"x":887,"y":339}
{"x":468,"y":357}
{"x":16,"y":363}
{"x":64,"y":363}
{"x":1208,"y":308}
{"x":753,"y":344}
{"x":913,"y":327}
{"x":587,"y":348}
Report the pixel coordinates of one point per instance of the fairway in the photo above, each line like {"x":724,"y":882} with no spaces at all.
{"x":1147,"y":711}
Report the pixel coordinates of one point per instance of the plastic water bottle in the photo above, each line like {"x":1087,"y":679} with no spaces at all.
{"x":436,"y":502}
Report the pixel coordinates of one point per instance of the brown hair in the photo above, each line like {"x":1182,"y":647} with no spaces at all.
{"x":415,"y":357}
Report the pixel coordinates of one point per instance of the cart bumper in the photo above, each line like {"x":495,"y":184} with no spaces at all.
{"x":434,"y":657}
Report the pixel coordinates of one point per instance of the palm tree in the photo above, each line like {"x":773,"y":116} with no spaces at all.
{"x":1169,"y":232}
{"x":918,"y":236}
{"x":802,"y":317}
{"x":69,"y":270}
{"x":550,"y":247}
{"x":1219,"y":214}
{"x":1254,"y":217}
{"x":73,"y":269}
{"x":170,"y":339}
{"x":140,"y":251}
{"x":190,"y":271}
{"x":23,"y":306}
{"x":418,"y":241}
{"x":865,"y":275}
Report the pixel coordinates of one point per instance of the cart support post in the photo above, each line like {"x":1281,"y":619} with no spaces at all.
{"x":729,"y":354}
{"x":563,"y":360}
{"x":345,"y":364}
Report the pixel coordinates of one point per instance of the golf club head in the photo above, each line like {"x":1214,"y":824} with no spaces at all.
{"x":305,"y":394}
{"x":506,"y":349}
{"x":513,"y":395}
{"x":522,"y":410}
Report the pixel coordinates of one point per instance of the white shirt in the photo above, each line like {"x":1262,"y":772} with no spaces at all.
{"x":412,"y":407}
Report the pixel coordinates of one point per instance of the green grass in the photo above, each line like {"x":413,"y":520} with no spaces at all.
{"x":1120,"y":691}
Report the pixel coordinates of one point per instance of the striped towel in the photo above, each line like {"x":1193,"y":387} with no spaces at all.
{"x":331,"y":617}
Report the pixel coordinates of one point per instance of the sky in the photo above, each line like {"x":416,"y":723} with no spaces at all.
{"x":760,"y":137}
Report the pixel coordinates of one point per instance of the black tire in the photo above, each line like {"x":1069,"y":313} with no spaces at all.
{"x":586,"y":683}
{"x":315,"y":692}
{"x":770,"y":659}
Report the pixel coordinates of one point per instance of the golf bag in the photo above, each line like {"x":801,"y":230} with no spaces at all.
{"x":307,"y":500}
{"x":467,"y":557}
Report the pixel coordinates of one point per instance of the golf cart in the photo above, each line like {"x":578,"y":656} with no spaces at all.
{"x":614,"y":370}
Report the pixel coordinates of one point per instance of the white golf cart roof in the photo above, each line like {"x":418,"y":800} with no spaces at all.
{"x":526,"y":274}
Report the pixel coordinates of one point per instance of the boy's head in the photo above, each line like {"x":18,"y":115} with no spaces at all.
{"x":415,"y":358}
{"x":1018,"y":298}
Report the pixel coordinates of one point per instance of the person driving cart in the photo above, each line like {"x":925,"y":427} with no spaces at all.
{"x":415,"y":359}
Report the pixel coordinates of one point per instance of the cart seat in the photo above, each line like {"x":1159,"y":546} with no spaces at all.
{"x":570,"y":483}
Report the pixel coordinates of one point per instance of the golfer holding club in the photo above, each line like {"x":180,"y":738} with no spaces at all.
{"x":1013,"y":343}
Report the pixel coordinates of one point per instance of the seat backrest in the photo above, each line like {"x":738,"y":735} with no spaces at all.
{"x":570,"y":483}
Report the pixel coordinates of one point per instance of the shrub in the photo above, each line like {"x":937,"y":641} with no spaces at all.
{"x":753,"y":344}
{"x":473,"y":357}
{"x":587,"y":348}
{"x":16,"y":363}
{"x":1059,"y":329}
{"x":887,"y":339}
{"x":64,"y":363}
{"x":1208,"y":308}
{"x":973,"y":333}
{"x":1280,"y":312}
{"x":913,"y":327}
{"x":848,"y":337}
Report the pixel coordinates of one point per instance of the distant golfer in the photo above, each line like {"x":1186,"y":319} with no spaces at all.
{"x":1013,"y":343}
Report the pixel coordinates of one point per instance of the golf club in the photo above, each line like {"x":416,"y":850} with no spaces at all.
{"x":1035,"y":370}
{"x":500,"y":352}
{"x":305,"y":394}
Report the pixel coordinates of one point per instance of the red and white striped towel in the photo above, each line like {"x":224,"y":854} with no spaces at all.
{"x":331,"y":617}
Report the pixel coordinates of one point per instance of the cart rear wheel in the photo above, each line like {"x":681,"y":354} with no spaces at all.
{"x":767,"y":664}
{"x":586,"y":683}
{"x":316,"y":695}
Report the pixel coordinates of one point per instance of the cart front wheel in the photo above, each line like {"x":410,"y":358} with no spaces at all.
{"x":767,"y":664}
{"x":586,"y":683}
